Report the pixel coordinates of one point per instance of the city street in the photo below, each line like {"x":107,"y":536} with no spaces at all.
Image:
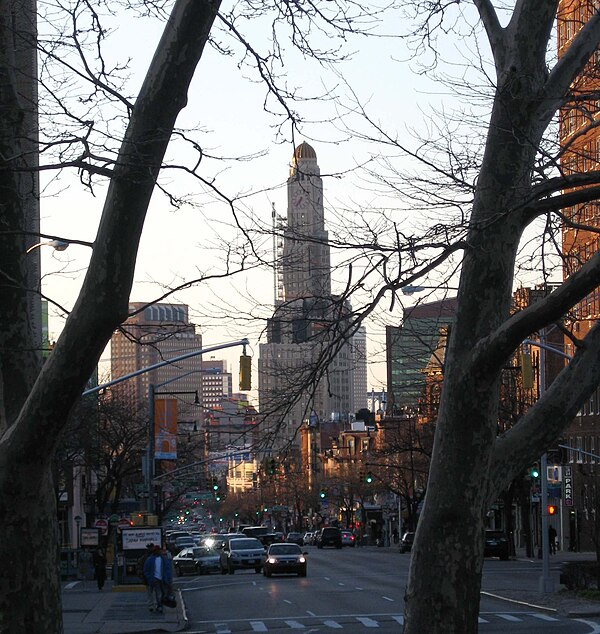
{"x":356,"y":590}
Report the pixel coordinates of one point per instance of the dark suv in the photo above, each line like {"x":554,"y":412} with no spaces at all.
{"x":329,"y":536}
{"x":496,"y":545}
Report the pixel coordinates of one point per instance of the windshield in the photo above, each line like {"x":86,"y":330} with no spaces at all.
{"x":284,"y":549}
{"x":244,"y":544}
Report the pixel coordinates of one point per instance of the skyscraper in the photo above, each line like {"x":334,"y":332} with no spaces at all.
{"x":155,"y":333}
{"x":307,"y":318}
{"x":409,"y":349}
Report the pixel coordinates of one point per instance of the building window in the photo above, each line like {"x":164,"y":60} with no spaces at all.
{"x":579,"y":447}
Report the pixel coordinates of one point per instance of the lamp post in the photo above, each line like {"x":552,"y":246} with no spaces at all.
{"x":152,"y":393}
{"x":78,"y":519}
{"x":546,"y":583}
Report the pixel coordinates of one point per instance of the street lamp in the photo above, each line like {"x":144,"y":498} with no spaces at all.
{"x":152,"y":393}
{"x":546,"y":582}
{"x":410,"y":289}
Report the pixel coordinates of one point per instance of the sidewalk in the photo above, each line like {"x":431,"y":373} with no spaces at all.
{"x":561,"y":601}
{"x":115,"y":610}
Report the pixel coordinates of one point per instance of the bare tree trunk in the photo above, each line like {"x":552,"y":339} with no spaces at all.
{"x":29,"y":586}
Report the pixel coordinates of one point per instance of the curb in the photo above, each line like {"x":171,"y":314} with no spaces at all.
{"x":183,"y":611}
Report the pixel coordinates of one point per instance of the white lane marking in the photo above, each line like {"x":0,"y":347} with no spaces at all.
{"x":399,"y":619}
{"x":222,"y":628}
{"x":510,"y":617}
{"x":258,"y":626}
{"x":480,"y":620}
{"x":595,"y":626}
{"x":295,"y":625}
{"x":333,"y":625}
{"x":327,"y":578}
{"x":542,"y":617}
{"x":388,"y":599}
{"x":71,"y":585}
{"x":287,"y":601}
{"x":357,"y":588}
{"x":310,"y":613}
{"x":367,"y":622}
{"x":341,"y":584}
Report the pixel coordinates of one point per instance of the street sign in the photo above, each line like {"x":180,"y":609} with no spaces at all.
{"x":567,"y":486}
{"x":102,"y":525}
{"x":123,"y":523}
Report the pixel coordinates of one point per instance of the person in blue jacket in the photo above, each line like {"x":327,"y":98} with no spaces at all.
{"x":158,"y":574}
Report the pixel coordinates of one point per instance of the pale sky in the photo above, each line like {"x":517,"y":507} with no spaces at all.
{"x":228,"y":107}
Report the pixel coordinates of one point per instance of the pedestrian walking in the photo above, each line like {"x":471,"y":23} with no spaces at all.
{"x":140,"y":573}
{"x":158,"y":573}
{"x":552,"y":539}
{"x":99,"y":561}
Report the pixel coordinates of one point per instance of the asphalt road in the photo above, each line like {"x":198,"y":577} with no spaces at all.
{"x":354,"y":590}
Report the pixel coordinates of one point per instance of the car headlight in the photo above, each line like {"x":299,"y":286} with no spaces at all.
{"x":302,"y":559}
{"x":272,"y":560}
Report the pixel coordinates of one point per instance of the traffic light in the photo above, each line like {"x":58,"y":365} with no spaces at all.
{"x":322,"y":494}
{"x":245,"y":372}
{"x":534,"y":472}
{"x":369,"y":478}
{"x":215,"y":485}
{"x":551,"y":509}
{"x":272,"y":466}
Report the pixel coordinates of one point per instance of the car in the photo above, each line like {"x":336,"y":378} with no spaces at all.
{"x":348,"y":538}
{"x":270,"y":538}
{"x":221,"y":539}
{"x":240,"y":553}
{"x":295,"y":538}
{"x":308,"y":538}
{"x":329,"y":536}
{"x":180,"y":543}
{"x":196,"y":561}
{"x":496,"y":545}
{"x":406,"y":542}
{"x":285,"y":558}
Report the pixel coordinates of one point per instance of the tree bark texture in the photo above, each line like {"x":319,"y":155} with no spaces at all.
{"x":30,"y":585}
{"x":469,"y":464}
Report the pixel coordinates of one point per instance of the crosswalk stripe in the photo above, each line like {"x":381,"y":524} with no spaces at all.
{"x":480,"y":620}
{"x":258,"y":626}
{"x":295,"y":625}
{"x":399,"y":619}
{"x":333,"y":625}
{"x":542,"y":617}
{"x":510,"y":617}
{"x":221,"y":628}
{"x":367,"y":622}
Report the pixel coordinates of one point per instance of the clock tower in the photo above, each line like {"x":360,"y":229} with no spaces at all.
{"x":306,"y":258}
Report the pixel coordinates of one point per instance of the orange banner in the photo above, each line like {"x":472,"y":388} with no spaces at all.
{"x":165,"y":429}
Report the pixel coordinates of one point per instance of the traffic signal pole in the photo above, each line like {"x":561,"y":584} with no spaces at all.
{"x":546,"y":583}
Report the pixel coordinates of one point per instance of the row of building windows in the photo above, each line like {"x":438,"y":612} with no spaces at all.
{"x":582,"y":449}
{"x":568,"y":26}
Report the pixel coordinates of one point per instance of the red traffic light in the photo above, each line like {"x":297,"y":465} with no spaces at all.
{"x":551,"y":509}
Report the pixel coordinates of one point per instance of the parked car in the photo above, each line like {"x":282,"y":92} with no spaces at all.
{"x":496,"y":545}
{"x":329,"y":536}
{"x":240,"y":553}
{"x":285,"y":558}
{"x":308,"y":538}
{"x":196,"y":561}
{"x":295,"y":538}
{"x":348,"y":538}
{"x":406,"y":542}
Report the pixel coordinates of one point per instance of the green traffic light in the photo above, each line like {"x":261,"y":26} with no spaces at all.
{"x":322,"y":494}
{"x":369,"y":478}
{"x":535,"y":472}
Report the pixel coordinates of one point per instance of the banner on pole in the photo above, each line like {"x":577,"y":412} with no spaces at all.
{"x":165,"y":429}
